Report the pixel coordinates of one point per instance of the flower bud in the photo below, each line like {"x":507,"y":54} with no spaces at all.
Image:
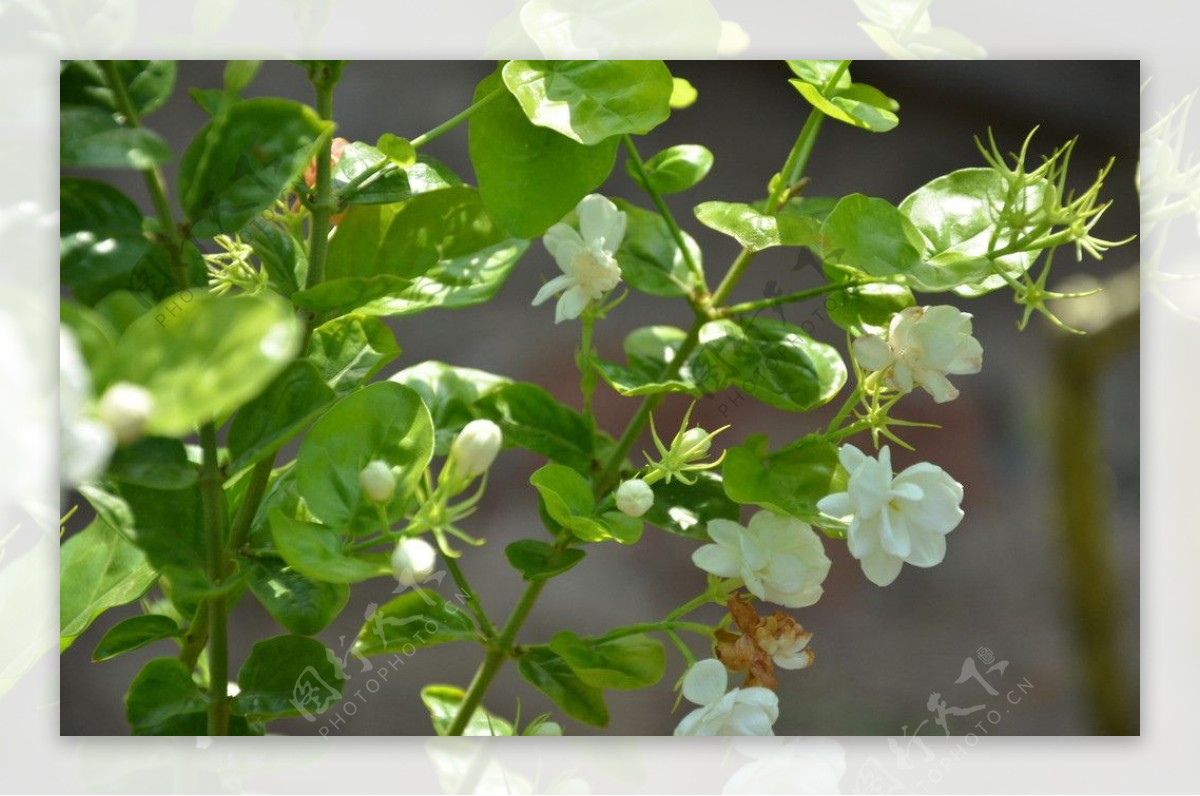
{"x":475,"y":448}
{"x":413,"y":561}
{"x":694,"y":443}
{"x":635,"y":497}
{"x":545,"y":728}
{"x":378,"y":482}
{"x":125,"y":408}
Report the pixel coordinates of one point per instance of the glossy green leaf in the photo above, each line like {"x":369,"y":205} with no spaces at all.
{"x":627,"y":662}
{"x":553,"y":676}
{"x":675,"y":168}
{"x":819,"y":73}
{"x":315,"y":551}
{"x":536,"y":560}
{"x":754,"y":229}
{"x":650,"y":259}
{"x":777,"y":363}
{"x":349,"y":350}
{"x":397,"y":149}
{"x":649,"y":351}
{"x":686,"y":510}
{"x":98,"y":569}
{"x":530,"y":176}
{"x":444,"y":702}
{"x":242,"y":160}
{"x":871,"y":236}
{"x":134,"y":633}
{"x":288,"y":676}
{"x":530,"y":418}
{"x":155,"y":462}
{"x":590,"y":101}
{"x":411,"y":621}
{"x":202,"y":356}
{"x":858,"y":105}
{"x":383,"y":421}
{"x":100,"y":238}
{"x":298,"y":603}
{"x":867,"y":309}
{"x":289,"y":403}
{"x":408,"y":239}
{"x":168,"y":524}
{"x":454,"y":284}
{"x":162,"y":693}
{"x":621,"y":527}
{"x":568,"y":499}
{"x":90,"y":137}
{"x":368,"y":175}
{"x":788,"y":481}
{"x":452,"y":395}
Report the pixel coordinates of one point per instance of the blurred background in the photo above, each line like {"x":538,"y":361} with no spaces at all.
{"x":1042,"y":572}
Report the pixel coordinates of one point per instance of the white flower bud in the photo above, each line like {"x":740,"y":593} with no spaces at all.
{"x":695,"y":442}
{"x":635,"y":497}
{"x":378,"y":482}
{"x":413,"y":561}
{"x":475,"y":448}
{"x":546,"y":728}
{"x":125,"y":408}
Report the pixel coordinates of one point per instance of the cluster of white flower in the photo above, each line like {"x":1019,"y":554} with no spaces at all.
{"x":922,"y":346}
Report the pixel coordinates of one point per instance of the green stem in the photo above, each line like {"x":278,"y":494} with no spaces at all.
{"x":472,"y":600}
{"x":195,"y":638}
{"x":218,"y":645}
{"x":457,"y":119}
{"x":797,"y":160}
{"x":656,"y":627}
{"x":324,"y":80}
{"x":639,"y":166}
{"x":736,"y":271}
{"x":239,"y":532}
{"x":156,"y":183}
{"x":497,"y":654}
{"x":845,"y":410}
{"x":691,"y":605}
{"x":801,"y":295}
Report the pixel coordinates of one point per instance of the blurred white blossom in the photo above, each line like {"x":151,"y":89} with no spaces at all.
{"x":904,"y":30}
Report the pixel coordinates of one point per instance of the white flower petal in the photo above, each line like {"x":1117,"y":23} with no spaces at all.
{"x":564,"y":245}
{"x":881,"y":568}
{"x":571,"y":304}
{"x":873,"y":352}
{"x":601,"y":222}
{"x":835,"y":505}
{"x":556,"y":284}
{"x":705,"y":682}
{"x":719,"y":560}
{"x":928,"y":549}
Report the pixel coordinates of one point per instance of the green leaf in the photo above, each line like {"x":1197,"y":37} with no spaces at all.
{"x":777,"y":363}
{"x":411,"y":621}
{"x":338,"y":296}
{"x":568,"y":499}
{"x":529,"y":176}
{"x":683,"y":94}
{"x":452,"y":395}
{"x":871,"y":236}
{"x":686,"y":510}
{"x":98,"y":569}
{"x":819,"y":73}
{"x":674,"y":169}
{"x":91,"y":138}
{"x":290,"y":402}
{"x":243,"y":159}
{"x":621,"y":527}
{"x":858,"y":105}
{"x":536,"y":560}
{"x":410,"y":238}
{"x":627,"y":662}
{"x":398,"y":149}
{"x":867,"y":309}
{"x":281,"y":254}
{"x":590,"y":101}
{"x":288,"y":676}
{"x":530,"y":418}
{"x":155,"y":462}
{"x":202,"y":356}
{"x":788,"y":481}
{"x":454,"y":284}
{"x":649,"y":350}
{"x":100,"y":238}
{"x":148,"y":84}
{"x":957,"y":214}
{"x":349,"y":350}
{"x":161,"y":693}
{"x":368,"y":175}
{"x":301,"y":605}
{"x":384,"y":421}
{"x":650,"y":259}
{"x":134,"y":633}
{"x":315,"y":551}
{"x":553,"y":676}
{"x":754,"y":229}
{"x":444,"y":702}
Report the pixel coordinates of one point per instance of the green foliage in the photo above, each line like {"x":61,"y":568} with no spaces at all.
{"x":100,"y":237}
{"x":300,"y":604}
{"x":674,"y":169}
{"x":288,"y":676}
{"x":536,"y":560}
{"x":134,"y":633}
{"x":788,"y":481}
{"x":443,"y":703}
{"x":99,"y":568}
{"x":650,"y":259}
{"x":411,"y":621}
{"x":627,"y":662}
{"x":547,"y":671}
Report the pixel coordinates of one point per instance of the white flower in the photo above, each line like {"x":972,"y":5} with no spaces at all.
{"x":84,"y":443}
{"x":587,"y":258}
{"x":125,"y":408}
{"x":742,"y":711}
{"x":475,"y":448}
{"x":413,"y":561}
{"x":894,"y":521}
{"x":378,"y":482}
{"x":635,"y":497}
{"x":923,"y":346}
{"x":780,"y":559}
